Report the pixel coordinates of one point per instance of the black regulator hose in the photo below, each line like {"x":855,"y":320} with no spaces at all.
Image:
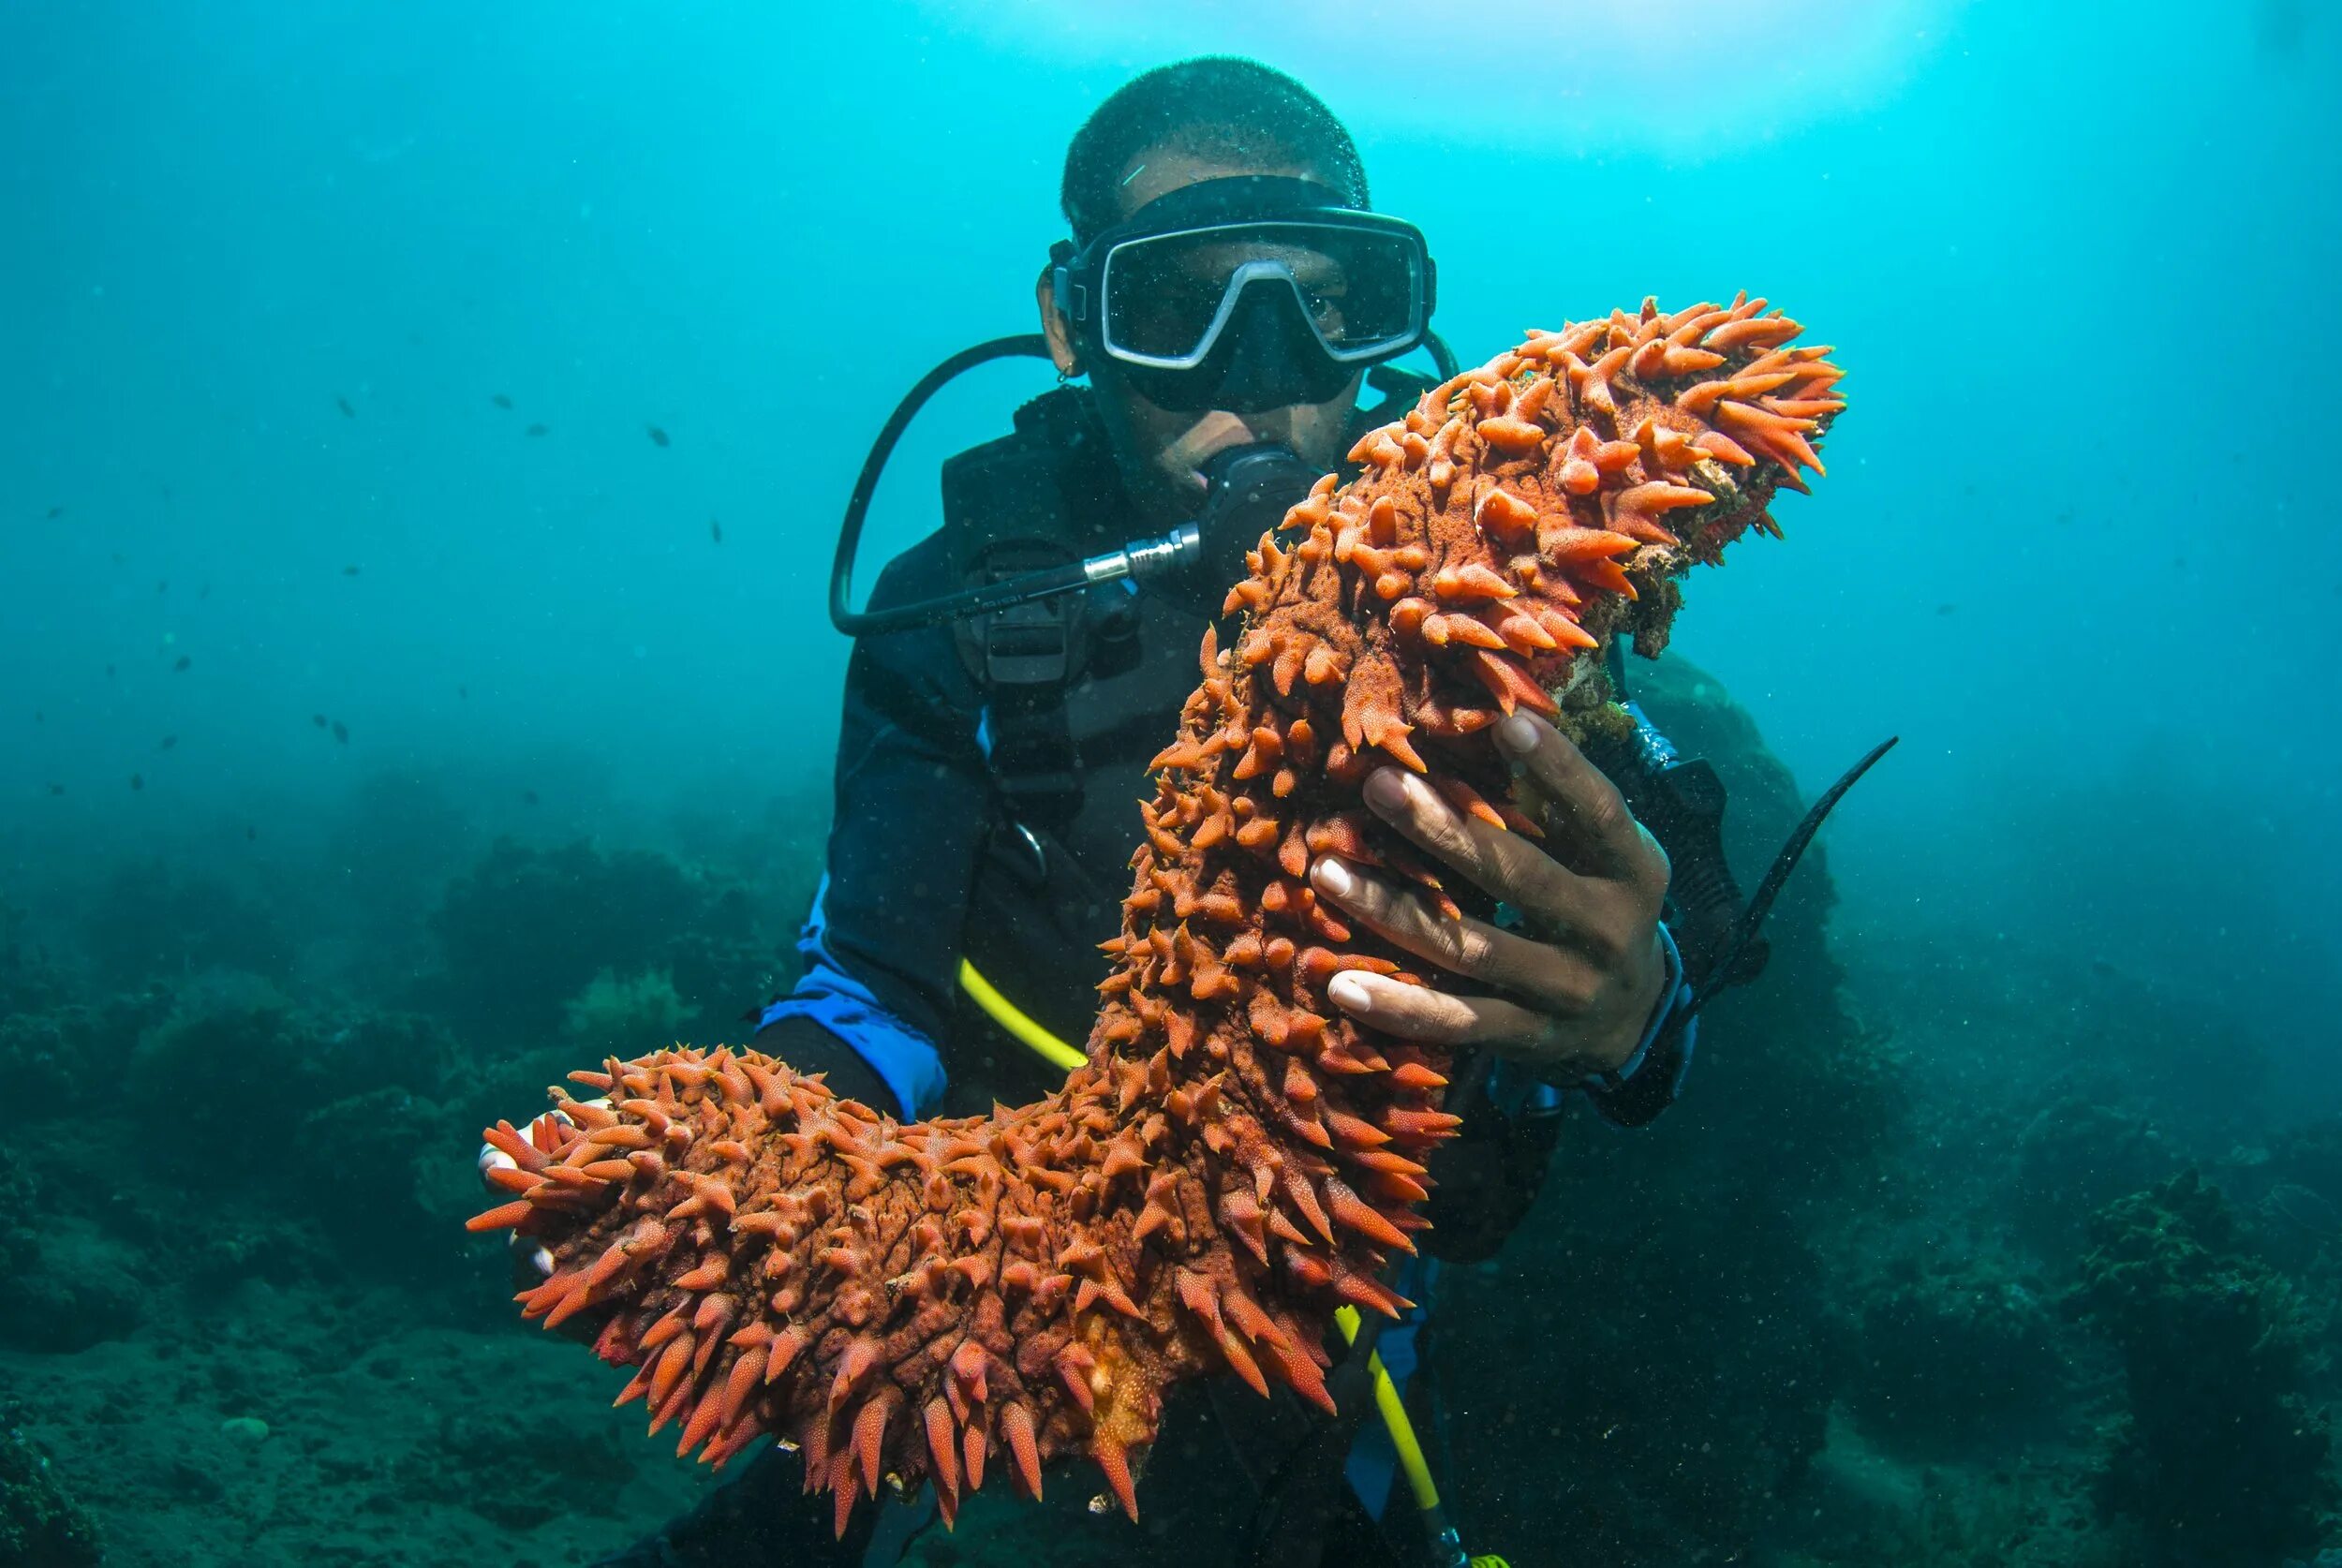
{"x":945,"y":607}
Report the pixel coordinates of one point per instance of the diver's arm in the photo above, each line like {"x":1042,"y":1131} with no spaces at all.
{"x":882,"y":942}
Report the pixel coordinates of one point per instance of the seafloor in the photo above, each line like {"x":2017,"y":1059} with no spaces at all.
{"x":1937,"y":1262}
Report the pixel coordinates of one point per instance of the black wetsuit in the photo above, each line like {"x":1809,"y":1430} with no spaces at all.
{"x":937,"y":854}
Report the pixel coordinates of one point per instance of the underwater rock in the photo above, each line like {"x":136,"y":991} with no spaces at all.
{"x":153,"y":918}
{"x":1237,"y":1158}
{"x":2075,"y":1157}
{"x":236,"y":1055}
{"x":525,"y":930}
{"x":30,"y":978}
{"x":1954,"y":1347}
{"x":41,"y":1524}
{"x":610,"y":1013}
{"x":2221,"y":1461}
{"x":519,"y":1468}
{"x":84,"y":1290}
{"x":357,"y":1155}
{"x":248,"y":1431}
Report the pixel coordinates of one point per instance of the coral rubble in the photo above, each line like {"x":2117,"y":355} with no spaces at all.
{"x":1236,"y":1159}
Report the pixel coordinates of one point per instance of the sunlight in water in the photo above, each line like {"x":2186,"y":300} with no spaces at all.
{"x":1601,"y":73}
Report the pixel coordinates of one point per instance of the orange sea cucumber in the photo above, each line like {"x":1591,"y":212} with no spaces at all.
{"x":1236,"y":1159}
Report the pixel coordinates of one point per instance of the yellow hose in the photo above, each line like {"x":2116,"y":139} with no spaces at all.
{"x":1394,"y":1412}
{"x":1016,"y":1020}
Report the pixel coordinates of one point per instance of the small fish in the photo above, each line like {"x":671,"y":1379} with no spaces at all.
{"x":320,"y":720}
{"x":501,"y":401}
{"x":537,"y":430}
{"x":138,"y":782}
{"x":2103,"y":970}
{"x":169,"y":741}
{"x":350,"y":571}
{"x":528,"y":797}
{"x":110,"y":672}
{"x":163,"y":586}
{"x":59,"y":789}
{"x":464,"y":692}
{"x":658,"y":436}
{"x":55,"y":512}
{"x":1946,"y":608}
{"x":251,"y":833}
{"x":343,"y":403}
{"x":40,"y":715}
{"x":715,"y":530}
{"x":341,"y":731}
{"x":203,"y":592}
{"x":179,"y":666}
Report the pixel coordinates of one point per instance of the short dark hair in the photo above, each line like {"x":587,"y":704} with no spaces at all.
{"x":1217,"y":106}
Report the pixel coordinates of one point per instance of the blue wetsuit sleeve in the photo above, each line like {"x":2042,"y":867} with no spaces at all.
{"x":881,"y":943}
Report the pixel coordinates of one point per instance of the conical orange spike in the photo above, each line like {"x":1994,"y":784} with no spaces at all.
{"x":1016,"y":1426}
{"x":869,"y":1434}
{"x":942,"y":1448}
{"x":1116,"y":1461}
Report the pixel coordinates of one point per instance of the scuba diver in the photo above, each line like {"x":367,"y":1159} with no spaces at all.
{"x":1227,"y":293}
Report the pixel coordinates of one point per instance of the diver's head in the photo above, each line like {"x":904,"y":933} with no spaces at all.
{"x":1225,"y":283}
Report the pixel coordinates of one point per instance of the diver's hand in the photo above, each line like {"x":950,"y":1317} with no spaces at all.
{"x":532,"y":1265}
{"x":1579,"y":981}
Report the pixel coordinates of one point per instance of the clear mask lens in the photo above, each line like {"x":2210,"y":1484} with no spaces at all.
{"x":1167,"y":297}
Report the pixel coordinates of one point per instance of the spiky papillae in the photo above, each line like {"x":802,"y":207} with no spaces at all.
{"x":1236,"y":1159}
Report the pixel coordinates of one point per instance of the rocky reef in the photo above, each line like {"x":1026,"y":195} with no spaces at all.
{"x":2221,"y":1458}
{"x":40,"y":1525}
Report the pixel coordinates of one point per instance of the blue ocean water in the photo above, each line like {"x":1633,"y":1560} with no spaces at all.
{"x":427,"y":423}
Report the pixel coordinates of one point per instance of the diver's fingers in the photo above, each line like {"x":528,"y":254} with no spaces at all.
{"x":495,"y":1158}
{"x":1501,"y":864}
{"x":530,"y":1255}
{"x":1429,"y":1017}
{"x":1583,"y":810}
{"x":1559,"y":978}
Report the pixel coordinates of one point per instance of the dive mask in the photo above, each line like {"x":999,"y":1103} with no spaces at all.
{"x":1250,"y":292}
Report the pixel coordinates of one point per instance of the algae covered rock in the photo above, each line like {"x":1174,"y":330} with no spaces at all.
{"x":526,"y":930}
{"x":238,"y":1064}
{"x":40,"y":1525}
{"x":2221,"y":1461}
{"x":1953,"y":1347}
{"x":2077,"y":1155}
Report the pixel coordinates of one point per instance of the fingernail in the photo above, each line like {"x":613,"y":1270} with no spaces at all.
{"x":1334,"y":877}
{"x":1385,"y":791}
{"x":1349,"y":993}
{"x":1517,"y":736}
